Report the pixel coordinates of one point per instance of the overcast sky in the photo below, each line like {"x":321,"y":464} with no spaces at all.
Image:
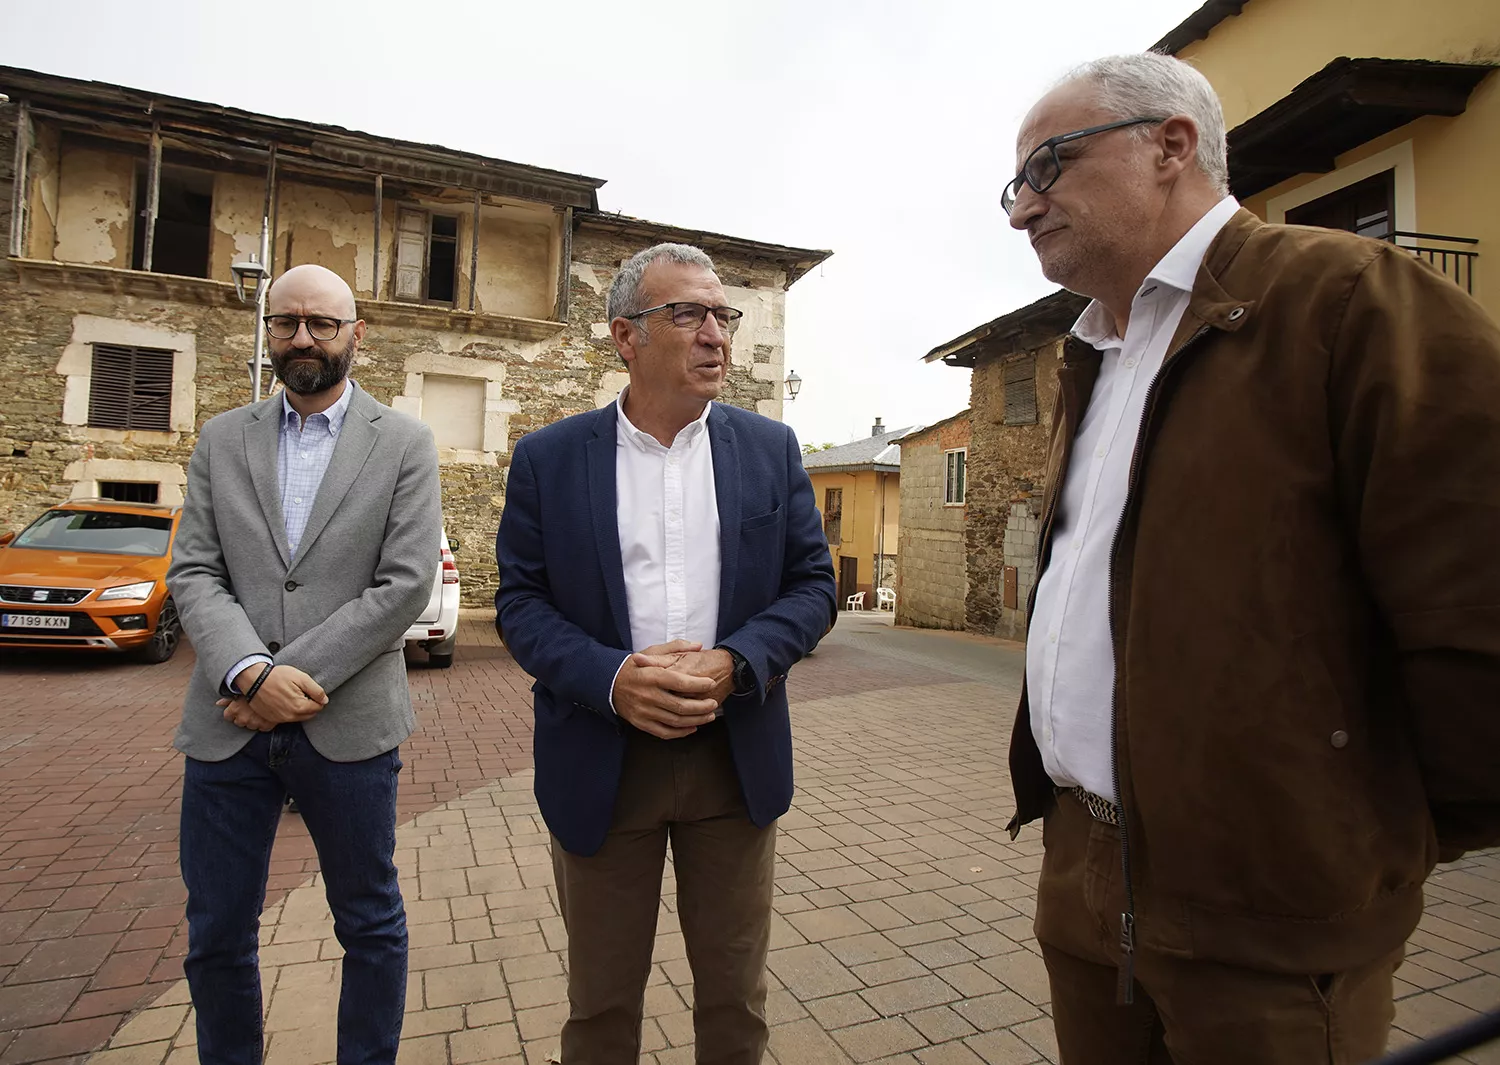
{"x":879,"y":130}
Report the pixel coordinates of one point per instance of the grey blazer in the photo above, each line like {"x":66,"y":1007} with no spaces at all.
{"x":338,"y":611}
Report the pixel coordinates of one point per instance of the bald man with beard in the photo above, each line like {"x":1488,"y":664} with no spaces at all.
{"x":296,"y":589}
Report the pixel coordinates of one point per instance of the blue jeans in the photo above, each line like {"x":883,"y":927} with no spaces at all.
{"x":230,"y":810}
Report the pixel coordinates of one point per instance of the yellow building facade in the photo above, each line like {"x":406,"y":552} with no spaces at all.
{"x":1382,"y":117}
{"x":858,"y":491}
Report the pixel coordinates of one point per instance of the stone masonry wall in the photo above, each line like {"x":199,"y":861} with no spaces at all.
{"x":931,"y":586}
{"x":574,"y":370}
{"x":1006,"y":464}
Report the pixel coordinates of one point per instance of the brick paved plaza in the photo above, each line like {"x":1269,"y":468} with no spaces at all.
{"x":903,"y":927}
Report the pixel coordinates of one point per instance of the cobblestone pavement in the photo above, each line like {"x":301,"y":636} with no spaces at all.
{"x":903,"y":912}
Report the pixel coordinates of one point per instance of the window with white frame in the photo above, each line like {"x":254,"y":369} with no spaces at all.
{"x":955,"y":477}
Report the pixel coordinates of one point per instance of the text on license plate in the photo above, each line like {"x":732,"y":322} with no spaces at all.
{"x":34,"y":621}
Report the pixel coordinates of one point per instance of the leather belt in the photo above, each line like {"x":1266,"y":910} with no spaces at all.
{"x":1099,"y":808}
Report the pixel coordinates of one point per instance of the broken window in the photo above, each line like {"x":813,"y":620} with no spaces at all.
{"x":426,"y":256}
{"x":184,"y":221}
{"x":130,"y":388}
{"x":130,"y":491}
{"x":442,"y":260}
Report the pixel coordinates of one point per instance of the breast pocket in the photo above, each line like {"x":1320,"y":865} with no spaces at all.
{"x":763,"y":521}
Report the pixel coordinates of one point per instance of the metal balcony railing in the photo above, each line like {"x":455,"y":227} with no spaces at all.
{"x":1455,"y":262}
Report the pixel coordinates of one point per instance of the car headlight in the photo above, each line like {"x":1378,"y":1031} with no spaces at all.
{"x":129,"y":591}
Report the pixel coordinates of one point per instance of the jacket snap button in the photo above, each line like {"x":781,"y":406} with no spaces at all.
{"x":273,"y":647}
{"x":1236,"y":314}
{"x":291,"y":586}
{"x":1339,"y":739}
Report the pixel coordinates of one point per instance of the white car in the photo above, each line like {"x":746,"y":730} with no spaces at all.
{"x":436,"y":631}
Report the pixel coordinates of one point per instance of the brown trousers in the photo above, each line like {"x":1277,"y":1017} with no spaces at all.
{"x":1185,"y":1012}
{"x":687,"y":791}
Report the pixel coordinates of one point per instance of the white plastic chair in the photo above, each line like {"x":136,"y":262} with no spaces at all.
{"x":885,"y":597}
{"x":855,"y":601}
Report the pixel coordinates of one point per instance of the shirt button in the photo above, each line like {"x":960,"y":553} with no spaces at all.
{"x":1097,"y":454}
{"x":298,"y":500}
{"x":1052,"y":636}
{"x":1129,"y":364}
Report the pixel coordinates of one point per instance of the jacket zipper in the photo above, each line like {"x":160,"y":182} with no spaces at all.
{"x":1125,"y":981}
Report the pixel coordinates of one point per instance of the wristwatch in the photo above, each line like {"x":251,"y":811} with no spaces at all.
{"x":744,"y":676}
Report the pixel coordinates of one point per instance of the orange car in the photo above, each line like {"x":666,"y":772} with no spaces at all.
{"x":91,"y":573}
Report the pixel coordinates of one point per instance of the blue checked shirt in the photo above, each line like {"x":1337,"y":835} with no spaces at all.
{"x":306,"y":448}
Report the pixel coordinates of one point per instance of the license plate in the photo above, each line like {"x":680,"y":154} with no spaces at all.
{"x":34,"y":621}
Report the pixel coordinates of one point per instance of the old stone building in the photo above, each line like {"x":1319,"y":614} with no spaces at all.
{"x":1011,"y":391}
{"x":482,"y":282}
{"x":932,"y":589}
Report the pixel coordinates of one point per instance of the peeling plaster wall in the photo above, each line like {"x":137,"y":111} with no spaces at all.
{"x":517,"y":274}
{"x":42,"y":174}
{"x":327,"y":227}
{"x":96,"y":190}
{"x":239,"y":200}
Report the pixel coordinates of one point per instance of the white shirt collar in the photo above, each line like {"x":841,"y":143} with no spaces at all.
{"x":643,"y":439}
{"x":1178,"y":269}
{"x":334,"y":413}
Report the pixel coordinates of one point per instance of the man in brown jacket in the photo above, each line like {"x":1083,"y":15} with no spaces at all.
{"x":1263,"y":668}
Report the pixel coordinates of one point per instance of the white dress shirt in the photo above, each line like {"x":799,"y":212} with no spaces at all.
{"x":304,"y":450}
{"x":668,"y":518}
{"x":1070,"y":660}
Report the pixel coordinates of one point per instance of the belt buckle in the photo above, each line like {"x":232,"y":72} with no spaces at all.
{"x":1099,"y":808}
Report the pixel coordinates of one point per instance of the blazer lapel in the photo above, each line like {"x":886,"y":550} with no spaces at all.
{"x":604,"y":506}
{"x":262,"y":453}
{"x":726,"y":458}
{"x":356,"y":440}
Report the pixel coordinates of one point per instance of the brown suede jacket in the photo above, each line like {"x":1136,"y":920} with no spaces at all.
{"x":1305,"y":599}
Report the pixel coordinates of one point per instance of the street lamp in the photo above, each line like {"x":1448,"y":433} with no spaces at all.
{"x":793,"y":386}
{"x":252,"y":272}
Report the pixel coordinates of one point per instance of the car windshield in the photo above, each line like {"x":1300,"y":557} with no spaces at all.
{"x":99,"y":532}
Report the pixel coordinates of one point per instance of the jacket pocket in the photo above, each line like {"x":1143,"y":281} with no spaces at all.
{"x":760,"y":521}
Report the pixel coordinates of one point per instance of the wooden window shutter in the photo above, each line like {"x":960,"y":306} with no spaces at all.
{"x":130,"y":388}
{"x":411,"y":253}
{"x":1020,"y":391}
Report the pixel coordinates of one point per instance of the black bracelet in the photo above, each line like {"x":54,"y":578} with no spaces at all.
{"x":259,"y":681}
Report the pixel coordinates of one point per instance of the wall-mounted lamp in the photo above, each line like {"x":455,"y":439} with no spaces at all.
{"x":793,"y":386}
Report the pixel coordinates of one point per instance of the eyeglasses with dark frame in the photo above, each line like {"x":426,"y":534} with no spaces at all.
{"x":1043,"y":166}
{"x":284,"y":326}
{"x":692,"y":315}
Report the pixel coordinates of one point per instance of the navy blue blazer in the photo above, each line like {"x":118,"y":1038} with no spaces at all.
{"x":562,"y":607}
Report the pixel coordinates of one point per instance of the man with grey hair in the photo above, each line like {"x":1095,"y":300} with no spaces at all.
{"x":1263,"y":657}
{"x":662,"y":567}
